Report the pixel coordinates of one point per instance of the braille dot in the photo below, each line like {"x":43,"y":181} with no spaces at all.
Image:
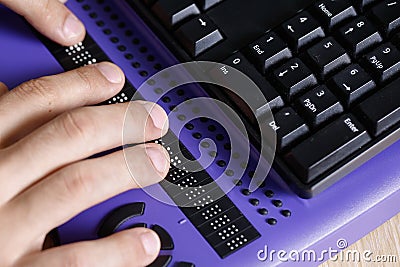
{"x":195,"y":110}
{"x":204,"y":119}
{"x":128,"y":33}
{"x":107,"y":31}
{"x":227,"y":146}
{"x":151,"y":82}
{"x":277,"y":203}
{"x":272,"y":221}
{"x":220,"y":137}
{"x":157,"y":66}
{"x":263,"y":211}
{"x":189,"y":126}
{"x":121,"y":25}
{"x":197,"y":135}
{"x":136,"y":65}
{"x":79,"y":1}
{"x":143,"y":73}
{"x":173,"y":108}
{"x":100,"y":23}
{"x":150,"y":58}
{"x":286,"y":213}
{"x":205,"y":144}
{"x":237,"y":182}
{"x":229,"y":172}
{"x":269,"y":193}
{"x":136,"y":41}
{"x":251,"y":174}
{"x":122,"y":48}
{"x":100,"y":1}
{"x":221,"y":163}
{"x":107,"y":9}
{"x":246,"y":192}
{"x":143,"y":49}
{"x":158,"y":91}
{"x":181,"y":117}
{"x":180,"y":92}
{"x":212,"y":128}
{"x":86,"y":7}
{"x":129,"y":56}
{"x":213,"y":154}
{"x":114,"y":40}
{"x":166,"y":99}
{"x":254,"y":202}
{"x":93,"y":15}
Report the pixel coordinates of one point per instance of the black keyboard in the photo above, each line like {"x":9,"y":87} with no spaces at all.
{"x":329,"y":69}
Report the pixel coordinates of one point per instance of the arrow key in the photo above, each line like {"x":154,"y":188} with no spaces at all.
{"x":198,"y":35}
{"x":351,"y":84}
{"x":294,"y":77}
{"x":302,"y":30}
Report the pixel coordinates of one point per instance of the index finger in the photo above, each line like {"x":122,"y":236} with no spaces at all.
{"x":50,"y":17}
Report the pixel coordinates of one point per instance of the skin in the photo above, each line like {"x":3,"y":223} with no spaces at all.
{"x":44,"y":184}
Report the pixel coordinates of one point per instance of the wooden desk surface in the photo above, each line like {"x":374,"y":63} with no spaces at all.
{"x":385,"y":240}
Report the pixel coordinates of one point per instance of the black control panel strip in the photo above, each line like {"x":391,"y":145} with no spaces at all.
{"x":218,"y":220}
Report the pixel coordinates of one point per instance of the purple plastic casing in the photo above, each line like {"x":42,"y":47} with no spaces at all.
{"x":348,"y":210}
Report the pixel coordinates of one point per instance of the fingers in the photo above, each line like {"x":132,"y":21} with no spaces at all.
{"x":135,"y":247}
{"x":85,"y":184}
{"x":3,"y":89}
{"x":40,"y":100}
{"x":50,"y":17}
{"x":74,"y":136}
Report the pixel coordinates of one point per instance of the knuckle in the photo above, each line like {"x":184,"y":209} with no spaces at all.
{"x":77,"y":125}
{"x":76,"y":183}
{"x":86,"y":78}
{"x":43,"y":90}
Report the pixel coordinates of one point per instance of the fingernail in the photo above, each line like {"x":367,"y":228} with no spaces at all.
{"x":72,"y":27}
{"x":110,"y":72}
{"x":158,"y":158}
{"x":157,"y":115}
{"x":150,"y":242}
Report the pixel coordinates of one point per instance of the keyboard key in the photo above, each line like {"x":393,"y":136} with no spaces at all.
{"x":289,"y":127}
{"x":383,"y":62}
{"x":161,"y":261}
{"x":361,"y":5}
{"x":239,"y":62}
{"x":166,"y":240}
{"x":359,"y":35}
{"x":387,"y":16}
{"x":327,"y":147}
{"x":381,"y":110}
{"x":206,"y":4}
{"x":268,"y":51}
{"x":198,"y":35}
{"x":328,"y":56}
{"x":318,"y":105}
{"x":351,"y":84}
{"x":293,"y":78}
{"x":333,"y":12}
{"x":172,"y":12}
{"x":301,"y":31}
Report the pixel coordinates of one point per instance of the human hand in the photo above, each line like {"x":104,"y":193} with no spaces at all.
{"x":51,"y":18}
{"x":45,"y":179}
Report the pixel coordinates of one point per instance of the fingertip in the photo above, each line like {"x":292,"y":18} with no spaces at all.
{"x":151,"y":243}
{"x":159,"y":158}
{"x":111,"y":72}
{"x":158,"y":116}
{"x":73,"y":30}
